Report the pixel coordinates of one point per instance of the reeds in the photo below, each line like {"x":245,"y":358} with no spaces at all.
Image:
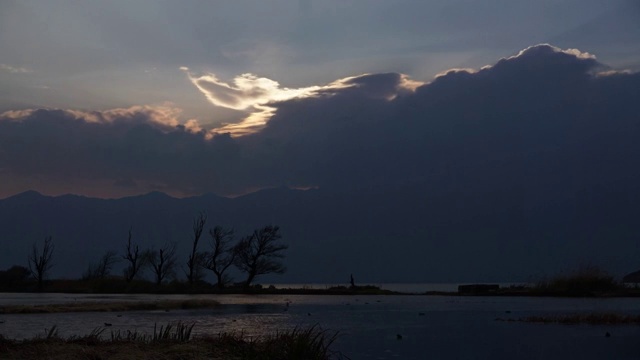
{"x":588,"y":280}
{"x":311,"y":343}
{"x":172,"y":332}
{"x":175,"y":341}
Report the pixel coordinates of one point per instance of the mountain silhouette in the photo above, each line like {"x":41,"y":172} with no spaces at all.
{"x":380,"y":235}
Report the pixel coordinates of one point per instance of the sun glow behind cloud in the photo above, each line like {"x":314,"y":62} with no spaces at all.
{"x":247,"y":92}
{"x":254,"y":94}
{"x":531,"y":50}
{"x":164,"y":116}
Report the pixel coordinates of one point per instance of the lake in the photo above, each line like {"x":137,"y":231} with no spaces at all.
{"x":438,"y":327}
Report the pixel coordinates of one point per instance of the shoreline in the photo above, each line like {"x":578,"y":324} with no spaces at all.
{"x":561,"y":287}
{"x":109,"y":306}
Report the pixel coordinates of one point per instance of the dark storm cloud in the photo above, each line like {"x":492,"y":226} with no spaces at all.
{"x":140,"y":147}
{"x":500,"y":122}
{"x":544,"y":121}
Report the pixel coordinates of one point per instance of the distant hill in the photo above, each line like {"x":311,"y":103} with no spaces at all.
{"x":379,"y":235}
{"x":633,"y":277}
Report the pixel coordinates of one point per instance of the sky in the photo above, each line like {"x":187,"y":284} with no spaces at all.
{"x":118,"y":98}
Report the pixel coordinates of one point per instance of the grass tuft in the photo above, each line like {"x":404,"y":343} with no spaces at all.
{"x":52,"y":333}
{"x":175,"y":341}
{"x":179,"y":332}
{"x":588,"y":280}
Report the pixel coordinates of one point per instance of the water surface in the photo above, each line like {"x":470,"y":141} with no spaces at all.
{"x":439,"y":327}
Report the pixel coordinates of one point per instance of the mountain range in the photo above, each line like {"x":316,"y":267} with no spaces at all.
{"x":389,"y":234}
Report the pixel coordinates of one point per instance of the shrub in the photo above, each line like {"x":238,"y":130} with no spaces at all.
{"x":586,"y":281}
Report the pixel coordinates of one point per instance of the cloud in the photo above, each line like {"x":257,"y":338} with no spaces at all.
{"x":146,"y":145}
{"x":164,"y":117}
{"x":14,"y":69}
{"x":464,"y":130}
{"x":247,"y":92}
{"x":257,"y":95}
{"x":540,"y":124}
{"x":546,"y":49}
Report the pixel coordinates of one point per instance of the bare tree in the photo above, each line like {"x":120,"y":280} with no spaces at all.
{"x":259,"y":253}
{"x":134,"y":258}
{"x":103,"y":268}
{"x":163,"y":262}
{"x":40,"y":262}
{"x":222,"y":254}
{"x":195,"y":261}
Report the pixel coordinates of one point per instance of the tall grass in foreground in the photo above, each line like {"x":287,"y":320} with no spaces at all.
{"x":586,"y":281}
{"x":311,"y":343}
{"x":174,"y":341}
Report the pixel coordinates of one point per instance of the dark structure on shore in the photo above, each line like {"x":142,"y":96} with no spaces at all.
{"x":478,"y":289}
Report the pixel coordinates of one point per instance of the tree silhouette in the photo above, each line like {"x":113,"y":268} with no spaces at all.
{"x":133,"y":256}
{"x":40,"y":262}
{"x":195,"y":260}
{"x":163,"y":262}
{"x":103,"y":268}
{"x":259,"y":253}
{"x":14,"y":276}
{"x":222,"y":255}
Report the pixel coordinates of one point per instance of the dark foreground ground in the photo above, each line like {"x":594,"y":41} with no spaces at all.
{"x":173,"y":342}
